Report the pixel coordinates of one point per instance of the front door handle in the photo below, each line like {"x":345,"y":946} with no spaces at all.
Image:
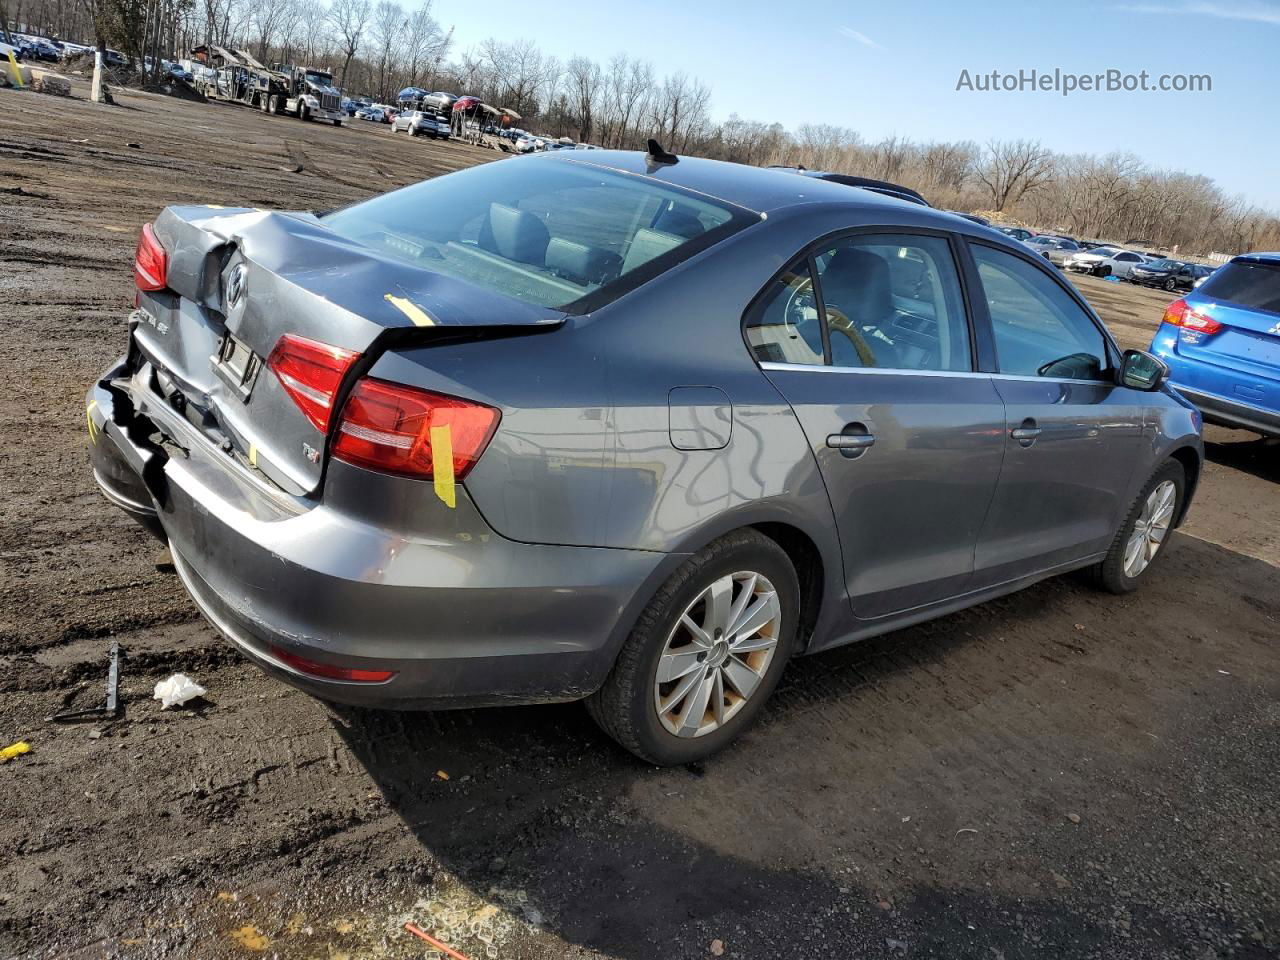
{"x":1026,"y":433}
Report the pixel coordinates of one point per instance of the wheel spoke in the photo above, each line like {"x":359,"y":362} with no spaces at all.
{"x":676,"y":664}
{"x":696,"y":709}
{"x":681,"y":692}
{"x":757,"y":616}
{"x":699,"y":636}
{"x":739,"y":605}
{"x":741,"y":677}
{"x":717,"y":697}
{"x":1132,"y":551}
{"x":752,"y":644}
{"x":719,"y":602}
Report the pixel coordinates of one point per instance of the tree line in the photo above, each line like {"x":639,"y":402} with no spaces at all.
{"x":377,"y":48}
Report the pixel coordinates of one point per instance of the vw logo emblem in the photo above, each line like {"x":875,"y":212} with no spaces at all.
{"x":235,"y":285}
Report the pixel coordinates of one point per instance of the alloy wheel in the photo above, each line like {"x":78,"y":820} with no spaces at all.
{"x":717,"y":654}
{"x":1150,"y":529}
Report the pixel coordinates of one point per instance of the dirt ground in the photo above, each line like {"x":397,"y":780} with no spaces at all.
{"x":1056,"y":774}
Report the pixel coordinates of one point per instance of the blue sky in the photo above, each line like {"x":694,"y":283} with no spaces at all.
{"x":886,"y":69}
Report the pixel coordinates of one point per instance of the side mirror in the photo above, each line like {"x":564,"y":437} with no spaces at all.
{"x":1140,"y":370}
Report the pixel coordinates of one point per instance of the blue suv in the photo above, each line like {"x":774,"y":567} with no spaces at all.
{"x":1222,"y":344}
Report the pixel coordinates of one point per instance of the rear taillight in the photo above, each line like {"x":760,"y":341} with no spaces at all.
{"x":1182,"y":314}
{"x":311,"y":373}
{"x":403,"y":430}
{"x":150,"y":262}
{"x":327,"y":671}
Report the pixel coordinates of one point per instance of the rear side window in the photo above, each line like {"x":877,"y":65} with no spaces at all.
{"x":881,"y":301}
{"x":546,"y":232}
{"x":1252,"y":285}
{"x":1039,"y":330}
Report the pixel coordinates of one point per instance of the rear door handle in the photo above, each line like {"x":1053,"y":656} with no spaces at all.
{"x":850,"y":441}
{"x":1026,"y":433}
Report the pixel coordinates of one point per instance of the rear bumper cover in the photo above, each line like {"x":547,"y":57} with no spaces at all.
{"x":1209,"y":385}
{"x":1232,"y":413}
{"x":461,"y":615}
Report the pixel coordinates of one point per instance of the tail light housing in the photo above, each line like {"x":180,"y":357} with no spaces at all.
{"x":1182,"y":314}
{"x":311,"y":373}
{"x":328,"y":671}
{"x":398,"y":429}
{"x":150,"y":262}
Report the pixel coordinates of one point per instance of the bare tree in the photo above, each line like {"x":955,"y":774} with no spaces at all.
{"x":349,"y":19}
{"x":1012,"y":168}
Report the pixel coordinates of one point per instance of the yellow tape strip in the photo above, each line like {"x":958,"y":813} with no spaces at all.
{"x":17,"y":71}
{"x":88,"y":415}
{"x":16,"y":750}
{"x":442,"y":465}
{"x":253,"y":456}
{"x":410,"y":310}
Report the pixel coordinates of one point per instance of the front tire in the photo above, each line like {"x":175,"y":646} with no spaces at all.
{"x":1142,"y":537}
{"x":705,"y":654}
{"x":1171,"y":285}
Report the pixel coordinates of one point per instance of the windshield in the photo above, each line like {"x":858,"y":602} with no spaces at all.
{"x":322,"y":79}
{"x":553,"y":233}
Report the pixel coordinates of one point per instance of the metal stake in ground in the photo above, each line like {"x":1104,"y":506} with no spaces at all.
{"x":111,"y":709}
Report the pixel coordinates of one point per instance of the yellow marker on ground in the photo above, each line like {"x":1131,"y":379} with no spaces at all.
{"x":442,"y":465}
{"x":410,"y":310}
{"x":15,"y":71}
{"x":14,"y":750}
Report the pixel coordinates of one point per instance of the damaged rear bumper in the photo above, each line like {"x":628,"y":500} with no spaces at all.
{"x":378,"y":575}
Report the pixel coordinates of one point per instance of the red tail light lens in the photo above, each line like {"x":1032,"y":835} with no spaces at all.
{"x":327,"y":671}
{"x":1181,"y":314}
{"x":150,"y":262}
{"x":311,"y":373}
{"x":399,"y":429}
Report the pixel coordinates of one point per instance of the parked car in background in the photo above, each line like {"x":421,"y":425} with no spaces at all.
{"x":1168,"y":274}
{"x":512,"y":477}
{"x":372,"y":114}
{"x":526,"y":144}
{"x":1018,"y":233}
{"x":416,"y":124}
{"x":972,"y":217}
{"x":1200,"y":280}
{"x":1054,"y":249}
{"x":1104,"y":261}
{"x":1222,"y":344}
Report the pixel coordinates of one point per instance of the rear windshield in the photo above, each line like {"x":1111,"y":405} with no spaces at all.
{"x":551,"y":233}
{"x":1255,"y":285}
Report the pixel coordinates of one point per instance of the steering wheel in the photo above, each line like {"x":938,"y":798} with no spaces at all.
{"x":802,"y":299}
{"x":837,"y":322}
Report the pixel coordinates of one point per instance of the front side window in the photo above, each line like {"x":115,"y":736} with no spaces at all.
{"x":893,"y":301}
{"x":1039,"y":330}
{"x":549,"y":233}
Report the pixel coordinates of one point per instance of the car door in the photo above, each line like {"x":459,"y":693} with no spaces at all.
{"x":868,"y":338}
{"x":1072,"y":434}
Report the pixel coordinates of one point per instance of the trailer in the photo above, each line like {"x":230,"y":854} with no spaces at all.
{"x":437,"y":107}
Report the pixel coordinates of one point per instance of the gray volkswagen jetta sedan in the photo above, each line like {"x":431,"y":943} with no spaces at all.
{"x":621,"y":427}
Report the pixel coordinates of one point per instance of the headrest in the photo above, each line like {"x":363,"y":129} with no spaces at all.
{"x":856,"y":282}
{"x":580,"y":263}
{"x":514,"y":234}
{"x":681,"y":223}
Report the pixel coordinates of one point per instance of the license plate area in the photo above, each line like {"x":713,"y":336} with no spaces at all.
{"x":237,"y":366}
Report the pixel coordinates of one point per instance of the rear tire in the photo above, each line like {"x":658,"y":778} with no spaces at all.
{"x":713,"y":666}
{"x":1145,"y":530}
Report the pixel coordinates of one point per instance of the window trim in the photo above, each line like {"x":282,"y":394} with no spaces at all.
{"x":979,"y":305}
{"x":807,"y":252}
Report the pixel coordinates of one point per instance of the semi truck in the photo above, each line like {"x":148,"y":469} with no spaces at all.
{"x":237,"y":76}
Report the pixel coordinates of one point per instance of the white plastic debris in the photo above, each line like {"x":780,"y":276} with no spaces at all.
{"x":177,"y":690}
